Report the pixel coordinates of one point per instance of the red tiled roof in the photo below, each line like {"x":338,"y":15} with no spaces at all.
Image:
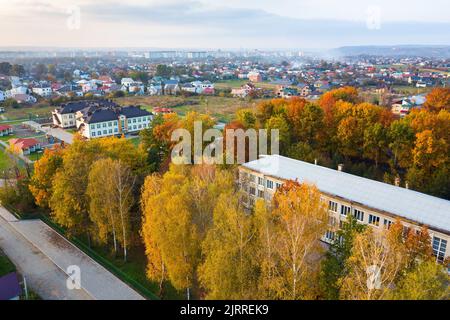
{"x":163,"y":110}
{"x":24,"y":143}
{"x":5,"y":127}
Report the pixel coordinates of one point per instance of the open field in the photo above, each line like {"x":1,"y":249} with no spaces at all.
{"x":25,"y":112}
{"x":232,"y":84}
{"x":434,"y":70}
{"x":222,"y":108}
{"x":409,"y":90}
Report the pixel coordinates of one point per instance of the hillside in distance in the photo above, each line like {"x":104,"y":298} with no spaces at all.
{"x":438,"y":51}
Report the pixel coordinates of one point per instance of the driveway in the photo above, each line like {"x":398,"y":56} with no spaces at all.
{"x":39,"y":239}
{"x":58,"y":133}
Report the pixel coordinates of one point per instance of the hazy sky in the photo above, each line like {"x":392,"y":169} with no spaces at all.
{"x":223,"y":23}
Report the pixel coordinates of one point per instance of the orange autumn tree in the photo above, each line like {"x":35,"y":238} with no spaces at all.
{"x":44,"y":171}
{"x":438,"y":99}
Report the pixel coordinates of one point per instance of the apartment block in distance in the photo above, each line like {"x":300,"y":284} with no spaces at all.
{"x":371,"y":202}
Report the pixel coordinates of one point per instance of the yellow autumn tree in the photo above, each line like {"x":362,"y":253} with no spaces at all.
{"x":110,"y":194}
{"x":150,"y":202}
{"x":378,"y":257}
{"x":69,"y":202}
{"x":229,"y":270}
{"x":300,"y":220}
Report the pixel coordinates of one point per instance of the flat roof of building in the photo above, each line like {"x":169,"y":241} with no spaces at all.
{"x":412,"y":205}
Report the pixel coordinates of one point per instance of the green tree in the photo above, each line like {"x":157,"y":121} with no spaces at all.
{"x":334,"y":266}
{"x":428,"y":281}
{"x":5,"y":68}
{"x":375,"y":143}
{"x":17,"y":70}
{"x":279,"y":123}
{"x":163,"y":70}
{"x":246,"y":117}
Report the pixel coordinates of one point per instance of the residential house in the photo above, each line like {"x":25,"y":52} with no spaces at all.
{"x":24,"y":98}
{"x":5,"y":130}
{"x":205,"y":87}
{"x":159,"y":110}
{"x":189,"y":87}
{"x":42,"y":90}
{"x":403,"y":106}
{"x":244,"y":90}
{"x":372,"y":203}
{"x":171,"y":87}
{"x":17,"y":90}
{"x":286,"y":92}
{"x":314,"y":95}
{"x":136,"y":87}
{"x":155,"y":89}
{"x":304,"y":90}
{"x":254,"y":76}
{"x":126,"y":82}
{"x":25,"y":145}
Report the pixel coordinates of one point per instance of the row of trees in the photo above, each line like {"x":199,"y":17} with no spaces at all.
{"x":92,"y":188}
{"x":341,"y":129}
{"x":200,"y":238}
{"x":12,"y":69}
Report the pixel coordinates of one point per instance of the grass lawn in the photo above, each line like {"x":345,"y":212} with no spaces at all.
{"x":4,"y":159}
{"x":24,"y":112}
{"x":6,"y":138}
{"x":410,"y":90}
{"x":6,"y":266}
{"x":136,"y":141}
{"x":237,"y":83}
{"x":222,"y":108}
{"x":34,"y":156}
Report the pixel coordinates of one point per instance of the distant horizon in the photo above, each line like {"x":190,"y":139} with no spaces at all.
{"x":232,"y":49}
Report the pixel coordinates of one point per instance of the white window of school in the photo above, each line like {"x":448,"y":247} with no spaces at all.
{"x":358,"y":214}
{"x":345,"y":210}
{"x":374,"y":220}
{"x":439,"y":247}
{"x":332,"y":206}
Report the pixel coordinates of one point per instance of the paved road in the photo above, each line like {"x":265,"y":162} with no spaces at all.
{"x":42,"y":275}
{"x":58,"y":133}
{"x":21,"y":156}
{"x":96,"y":281}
